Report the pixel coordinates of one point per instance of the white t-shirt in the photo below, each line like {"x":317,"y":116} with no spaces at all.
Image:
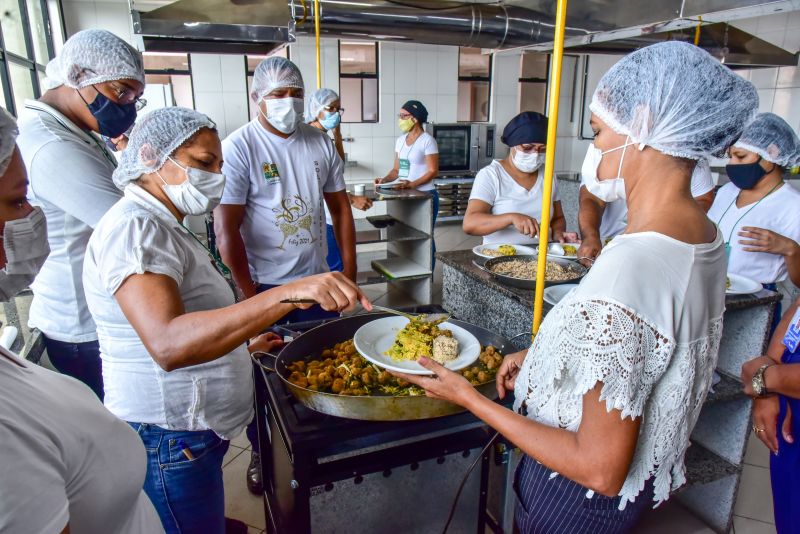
{"x":281,"y":182}
{"x":653,"y":346}
{"x":70,"y":178}
{"x":615,"y":216}
{"x":66,"y":459}
{"x":497,"y":188}
{"x":140,"y":235}
{"x":425,"y":145}
{"x":779,"y":212}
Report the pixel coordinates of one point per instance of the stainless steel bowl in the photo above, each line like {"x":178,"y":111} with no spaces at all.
{"x":523,"y":283}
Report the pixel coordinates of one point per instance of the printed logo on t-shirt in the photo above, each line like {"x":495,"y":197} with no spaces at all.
{"x":271,"y":174}
{"x":295,"y":219}
{"x":792,"y":338}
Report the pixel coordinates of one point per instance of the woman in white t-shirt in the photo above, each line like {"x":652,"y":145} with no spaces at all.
{"x":172,"y":338}
{"x":505,"y":205}
{"x":609,"y":392}
{"x":67,"y":463}
{"x":758,"y":213}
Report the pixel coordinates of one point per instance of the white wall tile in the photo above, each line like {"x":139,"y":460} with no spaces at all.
{"x":772,"y":23}
{"x":235,"y":106}
{"x":386,"y":73}
{"x":233,"y":73}
{"x":361,"y":151}
{"x":748,"y":25}
{"x":764,"y":78}
{"x":211,"y":103}
{"x":791,"y":41}
{"x":793,"y":21}
{"x":383,"y":154}
{"x":79,"y":16}
{"x":788,"y":77}
{"x":446,"y":108}
{"x":115,"y":18}
{"x":787,"y":105}
{"x":765,"y":99}
{"x":447,"y":72}
{"x":206,"y":73}
{"x":405,"y":69}
{"x":426,"y":65}
{"x":774,"y":37}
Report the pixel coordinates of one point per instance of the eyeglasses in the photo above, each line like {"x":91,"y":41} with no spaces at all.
{"x":126,"y":96}
{"x":404,"y":115}
{"x":334,"y":110}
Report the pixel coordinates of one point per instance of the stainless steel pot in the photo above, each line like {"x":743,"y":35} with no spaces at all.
{"x":580,"y":271}
{"x":373,"y":408}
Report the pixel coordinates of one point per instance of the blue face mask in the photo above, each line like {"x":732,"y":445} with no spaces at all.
{"x":113,"y":119}
{"x":745,"y":175}
{"x":331,"y":120}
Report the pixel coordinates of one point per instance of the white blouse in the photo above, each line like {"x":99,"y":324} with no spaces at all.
{"x":653,"y":345}
{"x":140,"y":235}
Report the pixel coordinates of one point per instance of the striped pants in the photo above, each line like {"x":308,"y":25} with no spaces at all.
{"x":560,"y":506}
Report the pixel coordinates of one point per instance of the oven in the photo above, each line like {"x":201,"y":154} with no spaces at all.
{"x":464,"y":147}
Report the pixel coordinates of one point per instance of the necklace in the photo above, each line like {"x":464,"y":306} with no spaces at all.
{"x":733,"y":228}
{"x":219,"y":265}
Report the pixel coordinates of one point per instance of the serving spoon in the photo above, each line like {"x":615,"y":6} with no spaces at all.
{"x":429,"y":318}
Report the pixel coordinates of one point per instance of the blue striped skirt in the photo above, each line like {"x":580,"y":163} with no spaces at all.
{"x":558,"y":505}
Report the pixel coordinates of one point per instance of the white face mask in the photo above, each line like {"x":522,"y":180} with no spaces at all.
{"x":606,"y":190}
{"x":284,"y":114}
{"x":527,"y":162}
{"x":199,"y":194}
{"x":26,"y":248}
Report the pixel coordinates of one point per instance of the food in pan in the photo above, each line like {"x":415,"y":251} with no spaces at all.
{"x":526,"y":270}
{"x":570,"y":250}
{"x":727,"y":283}
{"x":341,"y":370}
{"x":416,"y":339}
{"x":502,"y":250}
{"x":445,"y":349}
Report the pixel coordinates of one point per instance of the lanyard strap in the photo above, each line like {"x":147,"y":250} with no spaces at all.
{"x":219,"y":265}
{"x":733,"y":228}
{"x":410,"y":148}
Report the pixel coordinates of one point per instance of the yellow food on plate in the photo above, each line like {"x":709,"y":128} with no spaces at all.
{"x":506,"y":250}
{"x":570,"y":250}
{"x":416,"y":339}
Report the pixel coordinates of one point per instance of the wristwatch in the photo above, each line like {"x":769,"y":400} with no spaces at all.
{"x":759,"y":385}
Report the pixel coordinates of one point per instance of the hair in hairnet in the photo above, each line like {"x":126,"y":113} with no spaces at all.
{"x":317,"y":102}
{"x":676,"y":98}
{"x":156,"y":136}
{"x":773,"y":139}
{"x":8,"y":139}
{"x":272,"y":73}
{"x":94,"y":56}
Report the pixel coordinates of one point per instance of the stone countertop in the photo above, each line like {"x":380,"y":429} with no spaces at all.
{"x":392,"y":194}
{"x":462,"y":260}
{"x":568,"y":176}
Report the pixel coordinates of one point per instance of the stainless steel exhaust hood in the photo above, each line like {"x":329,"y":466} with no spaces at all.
{"x":258,"y":26}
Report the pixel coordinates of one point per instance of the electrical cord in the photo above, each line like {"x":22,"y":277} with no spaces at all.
{"x":464,"y":481}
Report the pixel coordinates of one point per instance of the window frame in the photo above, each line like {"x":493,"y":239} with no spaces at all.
{"x":177,"y":72}
{"x":532,"y":80}
{"x":29,"y":63}
{"x":362,"y":77}
{"x":487,"y":79}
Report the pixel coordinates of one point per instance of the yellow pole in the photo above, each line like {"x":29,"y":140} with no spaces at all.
{"x":552,"y":128}
{"x":316,"y":31}
{"x":697,"y":31}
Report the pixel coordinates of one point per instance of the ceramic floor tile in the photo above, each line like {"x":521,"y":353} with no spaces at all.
{"x":755,"y":495}
{"x":241,"y":441}
{"x":743,"y":525}
{"x":757,"y":453}
{"x":239,"y":502}
{"x":231,"y":455}
{"x":669,"y":518}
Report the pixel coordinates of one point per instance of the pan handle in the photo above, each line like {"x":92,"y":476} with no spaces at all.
{"x":257,"y":356}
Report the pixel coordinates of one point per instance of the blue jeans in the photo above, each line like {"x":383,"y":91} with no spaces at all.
{"x":78,"y":360}
{"x":187,"y":494}
{"x":334,"y":258}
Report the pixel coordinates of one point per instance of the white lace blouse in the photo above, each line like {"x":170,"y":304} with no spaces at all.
{"x":646,"y":322}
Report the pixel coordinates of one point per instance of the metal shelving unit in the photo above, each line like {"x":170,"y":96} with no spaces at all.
{"x":453,"y":196}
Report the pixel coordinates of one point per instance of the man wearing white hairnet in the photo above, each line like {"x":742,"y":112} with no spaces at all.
{"x":94,"y":86}
{"x":270,"y":225}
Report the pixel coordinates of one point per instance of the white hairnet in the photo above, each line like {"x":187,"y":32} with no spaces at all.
{"x":156,"y":136}
{"x":677,"y":99}
{"x":8,"y":139}
{"x":773,"y":139}
{"x":317,"y":102}
{"x":94,"y":56}
{"x":272,"y":73}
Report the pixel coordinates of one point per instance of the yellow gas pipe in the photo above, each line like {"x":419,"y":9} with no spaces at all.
{"x":552,"y":129}
{"x":316,"y":32}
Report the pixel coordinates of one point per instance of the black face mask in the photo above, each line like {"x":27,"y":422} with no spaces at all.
{"x":113,"y":119}
{"x":746,"y":175}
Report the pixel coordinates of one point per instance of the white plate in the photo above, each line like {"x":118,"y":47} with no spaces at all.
{"x":741,"y":285}
{"x":521,"y":250}
{"x":554,"y":294}
{"x":556,"y":250}
{"x":374,"y":338}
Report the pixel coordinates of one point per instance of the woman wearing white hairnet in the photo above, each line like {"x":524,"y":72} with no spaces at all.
{"x":757,"y":212}
{"x":171,"y":338}
{"x":324,"y":112}
{"x":608,"y":394}
{"x":68,"y":464}
{"x":94,"y":86}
